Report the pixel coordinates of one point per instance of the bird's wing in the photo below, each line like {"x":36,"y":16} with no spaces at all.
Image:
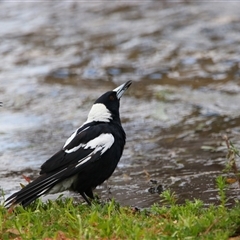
{"x":86,"y":147}
{"x":83,"y":144}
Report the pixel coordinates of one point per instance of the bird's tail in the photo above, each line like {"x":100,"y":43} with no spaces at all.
{"x":32,"y":191}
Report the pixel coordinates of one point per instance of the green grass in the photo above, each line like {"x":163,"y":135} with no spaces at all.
{"x":62,"y":219}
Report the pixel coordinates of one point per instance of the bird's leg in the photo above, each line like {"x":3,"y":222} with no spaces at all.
{"x":89,"y":193}
{"x":85,"y":198}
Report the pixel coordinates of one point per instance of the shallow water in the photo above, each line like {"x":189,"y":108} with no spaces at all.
{"x":183,"y":58}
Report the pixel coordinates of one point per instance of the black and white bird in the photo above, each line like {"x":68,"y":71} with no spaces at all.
{"x":88,"y":157}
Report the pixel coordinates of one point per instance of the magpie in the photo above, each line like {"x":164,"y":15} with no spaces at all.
{"x":88,"y":157}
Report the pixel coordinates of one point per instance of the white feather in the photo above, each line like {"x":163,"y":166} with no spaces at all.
{"x":63,"y":186}
{"x":104,"y":141}
{"x":42,"y":192}
{"x":101,"y":143}
{"x":72,"y":137}
{"x":74,"y":149}
{"x":99,"y":113}
{"x":82,"y":161}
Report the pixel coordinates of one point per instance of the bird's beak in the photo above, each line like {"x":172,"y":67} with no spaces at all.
{"x":122,"y":88}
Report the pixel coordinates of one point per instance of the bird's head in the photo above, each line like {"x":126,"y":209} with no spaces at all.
{"x":106,"y":107}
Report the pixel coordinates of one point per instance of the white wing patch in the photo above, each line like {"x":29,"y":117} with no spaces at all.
{"x":103,"y":141}
{"x":100,"y":144}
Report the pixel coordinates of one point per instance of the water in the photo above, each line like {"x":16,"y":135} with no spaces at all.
{"x":183,"y":58}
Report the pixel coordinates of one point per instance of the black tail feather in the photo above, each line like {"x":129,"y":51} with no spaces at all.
{"x":31,"y":192}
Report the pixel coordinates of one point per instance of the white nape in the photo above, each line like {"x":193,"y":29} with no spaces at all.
{"x":99,"y":113}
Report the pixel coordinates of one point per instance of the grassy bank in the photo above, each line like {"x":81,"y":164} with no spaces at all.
{"x":62,"y":219}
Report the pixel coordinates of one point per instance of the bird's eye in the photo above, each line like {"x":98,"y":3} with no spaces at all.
{"x":111,"y":97}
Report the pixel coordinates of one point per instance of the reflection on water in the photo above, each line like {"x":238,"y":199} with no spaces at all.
{"x":183,"y":58}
